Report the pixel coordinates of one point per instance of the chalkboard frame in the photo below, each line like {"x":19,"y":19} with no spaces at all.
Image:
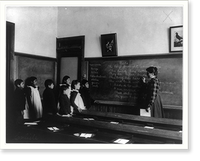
{"x":148,"y":56}
{"x":152,"y":56}
{"x":35,"y":56}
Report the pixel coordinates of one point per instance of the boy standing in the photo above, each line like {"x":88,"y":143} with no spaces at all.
{"x":19,"y":102}
{"x":49,"y":98}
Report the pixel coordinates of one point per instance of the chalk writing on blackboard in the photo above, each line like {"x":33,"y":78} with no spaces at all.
{"x":118,"y":80}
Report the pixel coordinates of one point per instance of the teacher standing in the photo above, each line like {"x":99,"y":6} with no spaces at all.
{"x":153,"y":99}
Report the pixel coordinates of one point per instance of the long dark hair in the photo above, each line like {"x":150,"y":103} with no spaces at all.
{"x":64,"y":80}
{"x":29,"y":81}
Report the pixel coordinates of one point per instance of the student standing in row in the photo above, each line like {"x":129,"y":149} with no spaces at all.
{"x":66,"y":80}
{"x":49,"y":98}
{"x":153,"y":99}
{"x":75,"y":98}
{"x":33,"y":98}
{"x":19,"y":102}
{"x":64,"y":101}
{"x":85,"y":94}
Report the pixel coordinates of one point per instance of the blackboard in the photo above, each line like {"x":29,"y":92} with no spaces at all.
{"x":40,"y":67}
{"x":116,"y":80}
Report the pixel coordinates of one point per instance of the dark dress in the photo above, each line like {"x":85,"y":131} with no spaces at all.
{"x":72,"y":100}
{"x":87,"y":100}
{"x":19,"y":105}
{"x":153,"y":98}
{"x":49,"y":101}
{"x":64,"y":102}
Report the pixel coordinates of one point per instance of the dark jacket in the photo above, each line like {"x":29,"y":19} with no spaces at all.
{"x":19,"y":100}
{"x":18,"y":106}
{"x":64,"y":105}
{"x":49,"y":101}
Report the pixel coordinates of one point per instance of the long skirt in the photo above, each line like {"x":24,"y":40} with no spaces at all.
{"x":157,"y":108}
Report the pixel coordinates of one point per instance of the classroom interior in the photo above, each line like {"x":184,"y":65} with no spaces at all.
{"x":51,"y":42}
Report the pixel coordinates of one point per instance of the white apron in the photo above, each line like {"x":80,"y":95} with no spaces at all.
{"x":79,"y":102}
{"x":36,"y":102}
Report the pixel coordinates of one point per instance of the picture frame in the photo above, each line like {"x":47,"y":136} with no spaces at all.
{"x":109,"y":44}
{"x":176,"y":38}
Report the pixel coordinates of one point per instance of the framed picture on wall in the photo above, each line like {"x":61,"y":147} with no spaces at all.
{"x":109,"y":44}
{"x":176,"y":38}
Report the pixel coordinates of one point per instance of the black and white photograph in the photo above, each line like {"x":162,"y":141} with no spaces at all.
{"x":109,"y":44}
{"x":176,"y":38}
{"x":95,"y":75}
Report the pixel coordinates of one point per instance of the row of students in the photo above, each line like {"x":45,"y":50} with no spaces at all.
{"x":72,"y":99}
{"x":26,"y":96}
{"x":68,"y":101}
{"x":151,"y":99}
{"x":77,"y":93}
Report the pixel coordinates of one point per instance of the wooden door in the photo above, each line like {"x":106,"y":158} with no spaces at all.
{"x":70,"y":53}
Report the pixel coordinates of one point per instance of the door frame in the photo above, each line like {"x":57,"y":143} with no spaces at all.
{"x":64,"y":51}
{"x":10,"y":59}
{"x":10,"y":39}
